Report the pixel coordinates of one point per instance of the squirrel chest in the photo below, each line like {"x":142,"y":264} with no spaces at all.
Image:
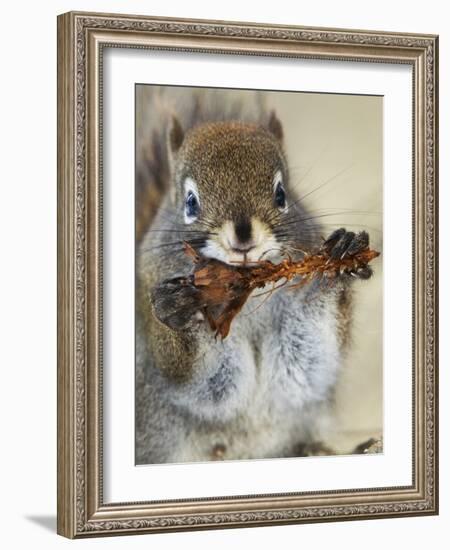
{"x":258,"y":391}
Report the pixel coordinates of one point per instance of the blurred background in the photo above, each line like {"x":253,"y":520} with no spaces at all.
{"x":334,"y":149}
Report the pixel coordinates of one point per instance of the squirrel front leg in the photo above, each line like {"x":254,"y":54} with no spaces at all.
{"x":176,"y":303}
{"x":174,"y":326}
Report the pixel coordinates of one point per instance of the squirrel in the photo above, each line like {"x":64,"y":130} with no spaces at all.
{"x":267,"y":391}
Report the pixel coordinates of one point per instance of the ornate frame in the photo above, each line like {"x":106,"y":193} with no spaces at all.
{"x":81,"y":37}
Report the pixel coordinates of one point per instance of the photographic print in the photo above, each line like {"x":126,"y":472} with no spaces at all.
{"x":259,"y":265}
{"x":247,"y":289}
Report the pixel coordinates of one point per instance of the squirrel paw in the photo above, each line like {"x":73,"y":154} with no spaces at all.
{"x":176,"y":303}
{"x":371,"y":446}
{"x":342,"y":244}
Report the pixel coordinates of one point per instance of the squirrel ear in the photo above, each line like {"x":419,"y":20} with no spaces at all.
{"x":275,"y":126}
{"x":176,"y":135}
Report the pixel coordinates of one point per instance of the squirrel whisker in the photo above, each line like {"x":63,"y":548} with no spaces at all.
{"x":199,"y":241}
{"x":180,"y":231}
{"x":320,"y":186}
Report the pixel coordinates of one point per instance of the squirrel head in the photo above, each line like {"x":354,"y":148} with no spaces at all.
{"x":231,"y":184}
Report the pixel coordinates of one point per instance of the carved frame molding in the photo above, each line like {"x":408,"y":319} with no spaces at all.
{"x":81,"y":39}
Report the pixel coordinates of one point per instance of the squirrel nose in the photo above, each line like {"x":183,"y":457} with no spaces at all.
{"x":243,"y":230}
{"x":242,"y":241}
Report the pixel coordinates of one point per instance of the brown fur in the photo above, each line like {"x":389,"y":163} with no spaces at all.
{"x":233,"y":164}
{"x":345,"y":305}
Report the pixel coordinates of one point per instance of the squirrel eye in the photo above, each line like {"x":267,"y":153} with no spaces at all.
{"x":192,"y":206}
{"x":280,"y":196}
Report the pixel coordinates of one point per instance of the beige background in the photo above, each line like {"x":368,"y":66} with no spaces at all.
{"x":340,"y":137}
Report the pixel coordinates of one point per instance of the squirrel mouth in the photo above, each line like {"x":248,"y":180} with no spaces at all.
{"x":245,"y":261}
{"x":230,"y":248}
{"x":235,"y":256}
{"x":244,"y":253}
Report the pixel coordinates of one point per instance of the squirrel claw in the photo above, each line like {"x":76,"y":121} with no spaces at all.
{"x":343,"y":244}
